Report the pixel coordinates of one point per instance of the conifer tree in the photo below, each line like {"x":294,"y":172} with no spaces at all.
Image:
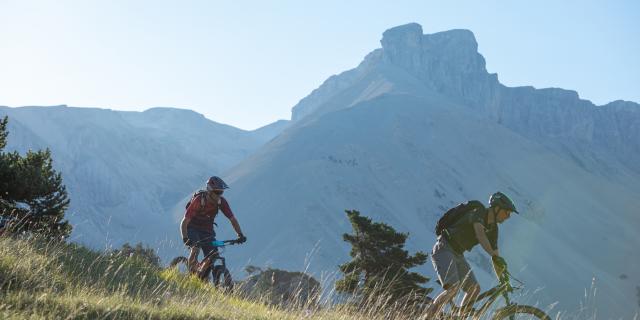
{"x":379,"y":264}
{"x":32,"y":195}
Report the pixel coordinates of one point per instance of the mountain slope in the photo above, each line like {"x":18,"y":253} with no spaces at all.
{"x":448,"y":64}
{"x":126,"y":170}
{"x":420,"y":126}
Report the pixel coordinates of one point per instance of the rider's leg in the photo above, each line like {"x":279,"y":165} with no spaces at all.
{"x":206,"y":262}
{"x":470,"y":286}
{"x":444,"y":261}
{"x":443,"y":298}
{"x":192,"y":263}
{"x":471,"y":291}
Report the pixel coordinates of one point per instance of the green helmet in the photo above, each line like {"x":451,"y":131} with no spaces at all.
{"x":499,"y":199}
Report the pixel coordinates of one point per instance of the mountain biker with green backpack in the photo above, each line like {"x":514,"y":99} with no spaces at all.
{"x":460,"y":229}
{"x":196,"y":227}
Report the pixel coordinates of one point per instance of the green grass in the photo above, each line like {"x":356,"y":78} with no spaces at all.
{"x":67,"y":281}
{"x":40,"y":280}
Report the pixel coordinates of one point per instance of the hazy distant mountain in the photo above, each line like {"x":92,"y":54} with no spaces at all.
{"x":419,"y":126}
{"x":125,"y":171}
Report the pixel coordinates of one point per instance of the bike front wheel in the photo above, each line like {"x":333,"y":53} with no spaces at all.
{"x":518,"y":312}
{"x":221,"y":278}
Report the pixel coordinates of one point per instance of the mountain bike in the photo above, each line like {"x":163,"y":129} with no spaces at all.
{"x":218,"y":274}
{"x":511,"y":310}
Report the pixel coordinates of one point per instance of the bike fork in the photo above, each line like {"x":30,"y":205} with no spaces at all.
{"x":508,"y":302}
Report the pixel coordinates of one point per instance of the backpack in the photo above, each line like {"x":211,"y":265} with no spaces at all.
{"x":203,"y":199}
{"x":454,"y":214}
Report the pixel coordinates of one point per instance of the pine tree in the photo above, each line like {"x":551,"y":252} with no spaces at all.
{"x":379,"y":265}
{"x":32,"y":195}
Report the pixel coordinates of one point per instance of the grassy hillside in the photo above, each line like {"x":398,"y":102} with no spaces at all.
{"x":67,"y":281}
{"x":40,"y":280}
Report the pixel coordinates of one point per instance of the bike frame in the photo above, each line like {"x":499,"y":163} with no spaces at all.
{"x":490,"y":296}
{"x":214,"y":255}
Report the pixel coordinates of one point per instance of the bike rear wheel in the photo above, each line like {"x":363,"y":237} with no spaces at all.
{"x":181,"y":264}
{"x":221,"y":278}
{"x":520,"y":312}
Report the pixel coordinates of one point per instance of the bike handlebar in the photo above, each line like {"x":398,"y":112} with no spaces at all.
{"x":218,"y":243}
{"x":223,"y":243}
{"x":506,"y":278}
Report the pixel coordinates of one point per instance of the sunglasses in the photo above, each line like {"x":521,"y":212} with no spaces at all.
{"x":218,"y":192}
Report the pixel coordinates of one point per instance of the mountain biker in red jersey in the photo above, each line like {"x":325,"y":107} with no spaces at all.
{"x":196,"y":227}
{"x":478,"y":226}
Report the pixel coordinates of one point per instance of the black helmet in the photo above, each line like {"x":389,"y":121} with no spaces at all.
{"x":216,"y":183}
{"x":499,"y":199}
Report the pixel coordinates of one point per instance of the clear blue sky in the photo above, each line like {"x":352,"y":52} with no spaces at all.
{"x":247,"y":63}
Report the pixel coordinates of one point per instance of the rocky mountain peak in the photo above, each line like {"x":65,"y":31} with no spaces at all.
{"x":428,"y":56}
{"x":447,"y":62}
{"x":405,"y":38}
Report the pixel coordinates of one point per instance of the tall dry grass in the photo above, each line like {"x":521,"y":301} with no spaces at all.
{"x":46,"y":280}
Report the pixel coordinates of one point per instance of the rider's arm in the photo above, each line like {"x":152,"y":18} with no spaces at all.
{"x":226,"y":210}
{"x":183,"y":226}
{"x":236,"y":225}
{"x":483,"y":240}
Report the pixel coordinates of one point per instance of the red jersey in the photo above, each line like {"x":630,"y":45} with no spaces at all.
{"x":202,"y":218}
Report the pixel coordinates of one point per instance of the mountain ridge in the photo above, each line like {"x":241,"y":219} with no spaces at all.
{"x":403,"y":145}
{"x":448,"y":64}
{"x":125,"y":169}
